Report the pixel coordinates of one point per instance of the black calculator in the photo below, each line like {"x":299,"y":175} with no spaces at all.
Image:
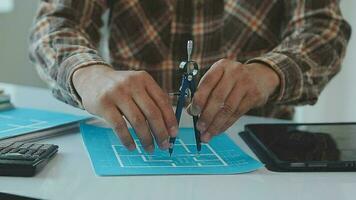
{"x":24,"y":159}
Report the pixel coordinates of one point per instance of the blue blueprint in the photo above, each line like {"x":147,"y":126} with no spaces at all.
{"x":109,"y":157}
{"x":19,"y":121}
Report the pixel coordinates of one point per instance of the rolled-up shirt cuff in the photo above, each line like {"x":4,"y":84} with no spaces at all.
{"x":291,"y":77}
{"x":67,"y":69}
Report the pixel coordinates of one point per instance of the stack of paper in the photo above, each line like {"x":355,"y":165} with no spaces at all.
{"x":24,"y":124}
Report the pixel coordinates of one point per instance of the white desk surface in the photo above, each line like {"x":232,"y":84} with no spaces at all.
{"x":70,"y":175}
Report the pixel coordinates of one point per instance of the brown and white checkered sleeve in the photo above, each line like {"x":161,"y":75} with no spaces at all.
{"x":314,"y":40}
{"x":64,"y":38}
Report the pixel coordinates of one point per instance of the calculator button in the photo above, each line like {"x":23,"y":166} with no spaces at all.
{"x":14,"y":150}
{"x":47,"y":146}
{"x":13,"y":147}
{"x":7,"y":149}
{"x":4,"y":145}
{"x":39,"y":152}
{"x":35,"y":157}
{"x":15,"y":156}
{"x":35,"y":147}
{"x":30,"y":152}
{"x":26,"y":145}
{"x":30,"y":157}
{"x":23,"y":151}
{"x":16,"y":145}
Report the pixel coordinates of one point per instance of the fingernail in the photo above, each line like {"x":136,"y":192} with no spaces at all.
{"x":201,"y":126}
{"x":150,"y":148}
{"x":195,"y":110}
{"x":173,"y":131}
{"x":131,"y":147}
{"x":205,"y":137}
{"x":165,"y":144}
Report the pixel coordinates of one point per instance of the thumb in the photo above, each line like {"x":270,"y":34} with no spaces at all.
{"x":193,"y":110}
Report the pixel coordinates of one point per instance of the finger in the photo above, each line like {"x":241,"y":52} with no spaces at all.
{"x":192,"y":110}
{"x":114,"y":117}
{"x":154,"y":117}
{"x":229,"y":122}
{"x":216,"y":100}
{"x":206,"y":85}
{"x":227,"y":110}
{"x":162,"y":100}
{"x":138,"y":122}
{"x":247,"y":103}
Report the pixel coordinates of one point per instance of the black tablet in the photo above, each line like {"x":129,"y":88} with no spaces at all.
{"x":304,"y":147}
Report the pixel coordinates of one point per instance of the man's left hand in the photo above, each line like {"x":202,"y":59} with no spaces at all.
{"x":227,"y":91}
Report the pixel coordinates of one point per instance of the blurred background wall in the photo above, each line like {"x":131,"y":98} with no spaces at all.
{"x":336,"y":103}
{"x":15,"y":66}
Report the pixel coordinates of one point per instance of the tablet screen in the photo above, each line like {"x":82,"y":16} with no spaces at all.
{"x":303,"y":143}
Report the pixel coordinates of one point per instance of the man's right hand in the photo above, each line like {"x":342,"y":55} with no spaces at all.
{"x":113,"y":94}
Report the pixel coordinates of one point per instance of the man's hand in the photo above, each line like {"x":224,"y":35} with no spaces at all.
{"x":113,"y":94}
{"x":227,"y":91}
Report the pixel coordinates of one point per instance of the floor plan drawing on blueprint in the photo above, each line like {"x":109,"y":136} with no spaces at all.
{"x":110,"y":157}
{"x":184,"y":156}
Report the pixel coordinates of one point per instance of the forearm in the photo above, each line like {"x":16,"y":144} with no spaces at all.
{"x":61,"y":42}
{"x":310,"y":53}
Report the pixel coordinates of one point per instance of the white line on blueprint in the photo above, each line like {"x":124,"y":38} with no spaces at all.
{"x":173,"y":165}
{"x":149,"y":160}
{"x":178,"y":155}
{"x":225,"y":164}
{"x":184,"y":146}
{"x":117,"y":156}
{"x":145,"y":159}
{"x":16,"y":127}
{"x":6,"y":117}
{"x":138,"y":147}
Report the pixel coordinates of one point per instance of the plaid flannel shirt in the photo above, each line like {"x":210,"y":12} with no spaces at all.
{"x":304,"y":41}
